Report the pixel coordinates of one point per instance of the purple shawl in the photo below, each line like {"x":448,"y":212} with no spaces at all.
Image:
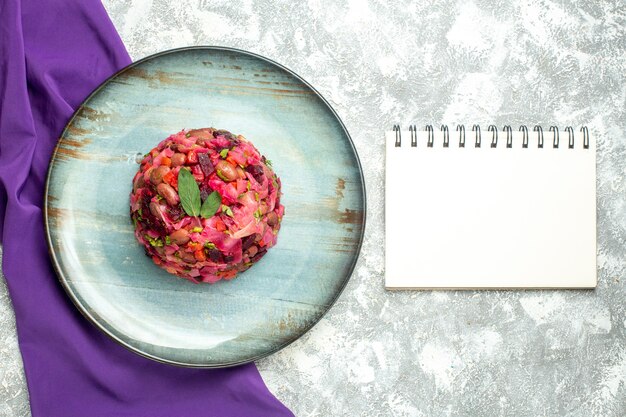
{"x":53,"y":54}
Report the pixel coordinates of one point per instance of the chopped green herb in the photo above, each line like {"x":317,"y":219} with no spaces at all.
{"x":256,"y":196}
{"x":257,"y":214}
{"x":196,"y":230}
{"x":224,"y":153}
{"x":167,"y":240}
{"x":153,"y":242}
{"x":209,"y":245}
{"x":226,"y":210}
{"x":248,"y":186}
{"x":187,"y":135}
{"x":268,"y":163}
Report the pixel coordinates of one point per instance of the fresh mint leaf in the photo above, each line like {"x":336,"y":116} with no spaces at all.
{"x":210,"y":205}
{"x":189,"y":192}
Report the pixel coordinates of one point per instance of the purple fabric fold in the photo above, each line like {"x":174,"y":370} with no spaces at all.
{"x":53,"y":54}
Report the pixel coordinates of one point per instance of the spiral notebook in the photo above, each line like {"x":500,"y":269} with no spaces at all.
{"x":501,"y":208}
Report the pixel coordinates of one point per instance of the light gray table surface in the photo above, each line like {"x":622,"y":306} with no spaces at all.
{"x":379,"y":353}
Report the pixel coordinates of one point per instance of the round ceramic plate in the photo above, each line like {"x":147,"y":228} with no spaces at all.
{"x":104,"y":269}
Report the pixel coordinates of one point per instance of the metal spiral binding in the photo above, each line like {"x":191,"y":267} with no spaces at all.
{"x":585,"y":137}
{"x":555,"y":140}
{"x":476,"y":128}
{"x":413,"y":131}
{"x":446,"y":136}
{"x":539,"y":131}
{"x":570,"y":141}
{"x":461,"y":130}
{"x":431,"y":136}
{"x":509,"y":136}
{"x":494,"y":136}
{"x":396,"y":128}
{"x":524,"y":131}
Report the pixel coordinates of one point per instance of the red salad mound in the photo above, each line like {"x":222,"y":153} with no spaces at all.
{"x":206,"y":205}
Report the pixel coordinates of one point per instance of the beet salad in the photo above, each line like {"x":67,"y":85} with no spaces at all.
{"x":206,"y":204}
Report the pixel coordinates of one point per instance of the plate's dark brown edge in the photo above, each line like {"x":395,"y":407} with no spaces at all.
{"x":63,"y":279}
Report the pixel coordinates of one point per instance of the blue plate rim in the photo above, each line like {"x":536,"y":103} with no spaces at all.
{"x":63,"y":279}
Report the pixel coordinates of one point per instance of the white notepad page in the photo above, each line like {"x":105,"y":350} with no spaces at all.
{"x":490,"y":217}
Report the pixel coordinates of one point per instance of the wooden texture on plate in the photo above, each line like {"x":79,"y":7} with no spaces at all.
{"x":158,"y":315}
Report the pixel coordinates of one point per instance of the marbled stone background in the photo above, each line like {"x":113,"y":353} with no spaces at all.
{"x":492,"y":353}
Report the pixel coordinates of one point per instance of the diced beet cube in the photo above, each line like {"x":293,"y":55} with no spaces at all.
{"x":175,"y":212}
{"x":205,"y":164}
{"x":248,"y":241}
{"x":205,"y":190}
{"x":215,"y":255}
{"x":256,"y":171}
